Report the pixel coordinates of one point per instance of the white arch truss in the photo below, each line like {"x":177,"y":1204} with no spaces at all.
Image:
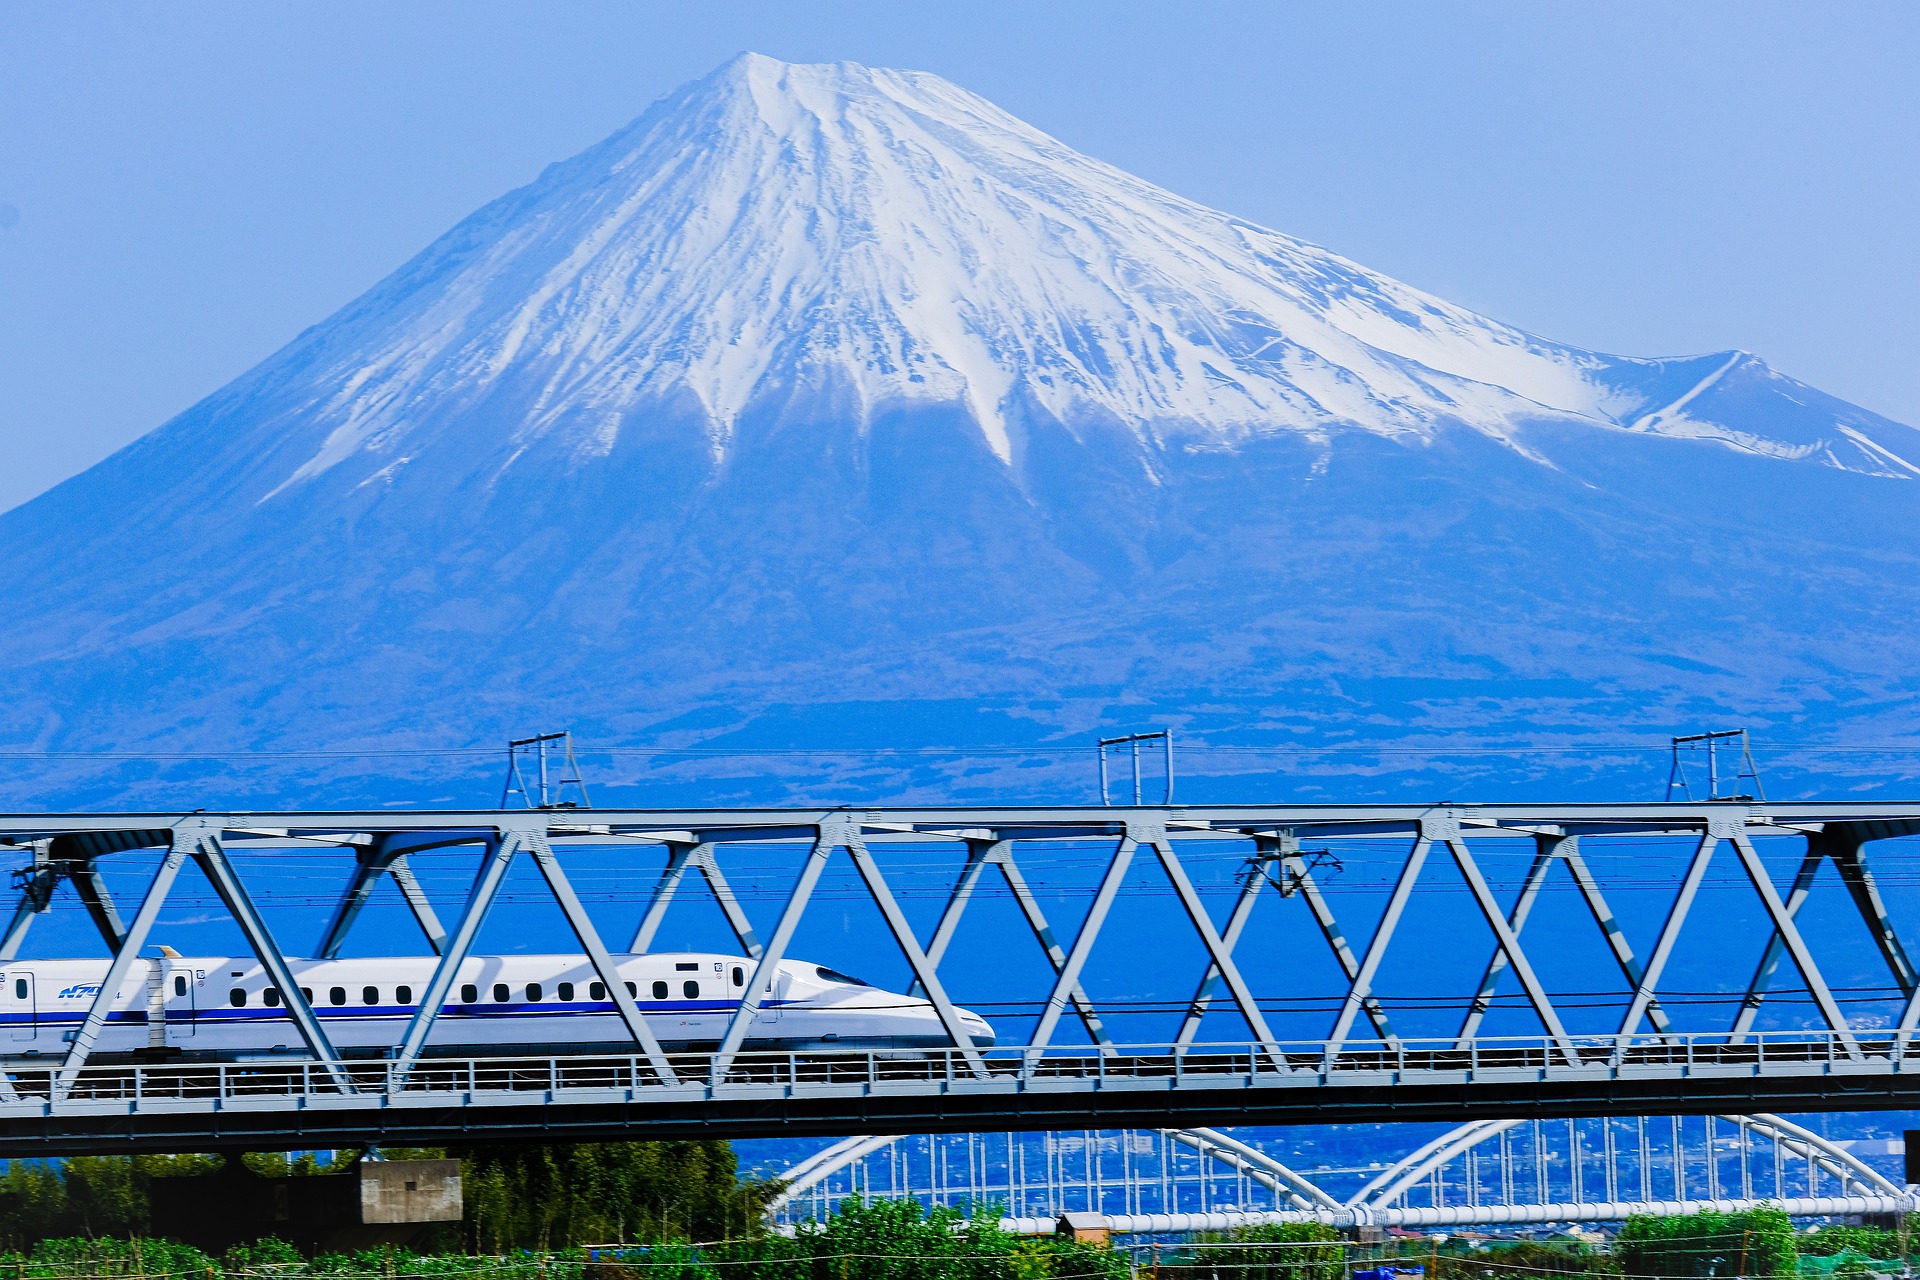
{"x":1383,"y":1200}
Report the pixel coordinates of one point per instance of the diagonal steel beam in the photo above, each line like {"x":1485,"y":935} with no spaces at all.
{"x":55,"y":860}
{"x":978,"y":854}
{"x":709,"y":865}
{"x":1210,"y":938}
{"x":1643,"y":993}
{"x":923,"y":972}
{"x":212,"y":860}
{"x":135,"y":938}
{"x":386,"y":855}
{"x":681,"y":858}
{"x":1770,"y":958}
{"x":1510,"y":947}
{"x":1796,"y":945}
{"x":487,"y":878}
{"x":416,"y":899}
{"x":1360,"y":989}
{"x":981,"y":854}
{"x":1851,"y":858}
{"x":1569,"y":851}
{"x":832,"y":833}
{"x":87,"y":882}
{"x":535,"y":841}
{"x":1300,"y":877}
{"x":1545,"y":848}
{"x":37,"y":883}
{"x":1068,"y":977}
{"x":1266,"y":850}
{"x":1056,"y":957}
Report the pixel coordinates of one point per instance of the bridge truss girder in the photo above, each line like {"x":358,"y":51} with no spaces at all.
{"x":69,"y":849}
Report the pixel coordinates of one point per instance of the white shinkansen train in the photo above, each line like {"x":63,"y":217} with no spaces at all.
{"x":224,"y":1008}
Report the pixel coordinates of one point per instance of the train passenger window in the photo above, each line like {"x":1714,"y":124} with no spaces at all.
{"x":533,"y":991}
{"x":659,"y":991}
{"x":739,"y":976}
{"x":469,"y":994}
{"x":237,"y":998}
{"x":632,"y":991}
{"x":272,"y":996}
{"x":500,"y":993}
{"x":403,"y":995}
{"x":179,"y":984}
{"x":564,"y":991}
{"x":19,"y":988}
{"x":306,"y":993}
{"x":691,"y":989}
{"x":369,"y":995}
{"x":596,"y":991}
{"x":336,"y":995}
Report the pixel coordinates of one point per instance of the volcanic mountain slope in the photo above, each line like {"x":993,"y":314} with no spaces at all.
{"x":822,"y":387}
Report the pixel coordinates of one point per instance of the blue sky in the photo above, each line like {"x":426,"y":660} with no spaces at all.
{"x":182,"y":189}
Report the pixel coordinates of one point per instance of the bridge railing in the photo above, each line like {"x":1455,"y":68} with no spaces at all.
{"x":1303,"y":1063}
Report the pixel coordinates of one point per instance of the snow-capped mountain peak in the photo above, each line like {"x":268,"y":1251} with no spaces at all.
{"x":852,"y":239}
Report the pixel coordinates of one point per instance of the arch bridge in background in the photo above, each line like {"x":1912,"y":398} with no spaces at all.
{"x":1485,"y":1173}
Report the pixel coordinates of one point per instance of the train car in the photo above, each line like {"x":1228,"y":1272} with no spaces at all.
{"x":224,"y":1008}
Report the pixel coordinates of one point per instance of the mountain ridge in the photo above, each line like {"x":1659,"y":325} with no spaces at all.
{"x":816,"y":384}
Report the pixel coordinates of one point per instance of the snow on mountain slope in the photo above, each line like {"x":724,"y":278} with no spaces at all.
{"x":822,"y":396}
{"x":885,"y":238}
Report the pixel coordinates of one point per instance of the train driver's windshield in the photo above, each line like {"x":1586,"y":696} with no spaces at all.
{"x":833,"y":975}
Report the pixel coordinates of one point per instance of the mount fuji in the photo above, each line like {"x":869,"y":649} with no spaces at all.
{"x":830,"y":407}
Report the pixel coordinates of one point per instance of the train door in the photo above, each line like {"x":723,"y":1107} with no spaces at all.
{"x":769,"y":1011}
{"x":17,"y":1004}
{"x":182,"y":999}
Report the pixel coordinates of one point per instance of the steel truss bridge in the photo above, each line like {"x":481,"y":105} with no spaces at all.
{"x":1360,"y":1069}
{"x":1484,"y":1173}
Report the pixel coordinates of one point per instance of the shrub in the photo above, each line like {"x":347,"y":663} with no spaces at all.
{"x":1758,"y":1242}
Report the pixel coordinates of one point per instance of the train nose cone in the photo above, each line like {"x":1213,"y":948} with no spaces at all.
{"x":978,"y":1029}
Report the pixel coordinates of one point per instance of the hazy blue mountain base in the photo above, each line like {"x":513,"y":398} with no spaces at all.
{"x":828,"y":434}
{"x":1357,"y":615}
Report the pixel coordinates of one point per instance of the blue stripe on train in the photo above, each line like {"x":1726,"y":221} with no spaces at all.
{"x":228,"y":1013}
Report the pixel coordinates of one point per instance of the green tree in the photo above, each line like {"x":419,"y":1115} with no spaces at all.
{"x":33,"y":1203}
{"x":1758,"y":1242}
{"x":547,"y":1197}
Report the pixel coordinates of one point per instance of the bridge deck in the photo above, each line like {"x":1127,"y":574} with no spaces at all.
{"x":166,"y":1107}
